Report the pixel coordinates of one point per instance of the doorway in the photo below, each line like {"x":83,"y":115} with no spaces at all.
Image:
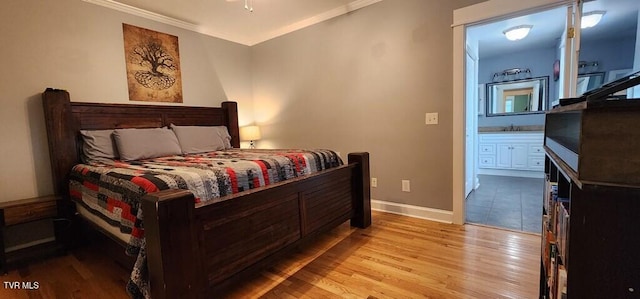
{"x":565,"y":50}
{"x":476,"y":14}
{"x":506,"y":129}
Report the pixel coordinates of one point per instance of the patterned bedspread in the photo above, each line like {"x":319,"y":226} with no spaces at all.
{"x":113,"y":190}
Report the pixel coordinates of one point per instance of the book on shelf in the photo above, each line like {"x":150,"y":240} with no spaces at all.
{"x":561,"y":284}
{"x":550,"y":195}
{"x":552,"y":272}
{"x":549,"y":252}
{"x":562,"y":228}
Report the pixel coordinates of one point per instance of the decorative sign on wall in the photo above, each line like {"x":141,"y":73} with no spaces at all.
{"x":153,"y":65}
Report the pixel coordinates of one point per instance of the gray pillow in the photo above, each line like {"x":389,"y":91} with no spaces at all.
{"x":197,"y":139}
{"x":98,"y":146}
{"x":135,"y":144}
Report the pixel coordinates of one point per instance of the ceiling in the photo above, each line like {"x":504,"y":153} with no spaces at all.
{"x":619,"y":21}
{"x":228,"y":19}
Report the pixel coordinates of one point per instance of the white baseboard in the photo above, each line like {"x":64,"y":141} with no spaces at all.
{"x":512,"y":172}
{"x":412,"y":211}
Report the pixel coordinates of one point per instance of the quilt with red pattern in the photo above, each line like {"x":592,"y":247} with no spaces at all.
{"x":113,"y":190}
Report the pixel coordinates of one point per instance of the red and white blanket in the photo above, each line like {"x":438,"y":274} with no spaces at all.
{"x":113,"y":190}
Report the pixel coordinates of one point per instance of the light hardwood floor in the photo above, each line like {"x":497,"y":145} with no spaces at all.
{"x":397,"y":257}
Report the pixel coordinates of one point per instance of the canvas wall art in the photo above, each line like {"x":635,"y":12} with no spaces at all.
{"x":153,"y":65}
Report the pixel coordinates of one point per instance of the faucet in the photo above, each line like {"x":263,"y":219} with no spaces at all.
{"x":511,"y":128}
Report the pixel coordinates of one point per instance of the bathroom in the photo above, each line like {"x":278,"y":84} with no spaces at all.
{"x":517,"y":82}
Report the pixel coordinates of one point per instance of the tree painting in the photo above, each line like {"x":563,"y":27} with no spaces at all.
{"x":153,"y":65}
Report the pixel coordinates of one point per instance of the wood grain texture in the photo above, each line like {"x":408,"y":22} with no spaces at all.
{"x":25,"y":213}
{"x":64,"y":120}
{"x":396,"y":257}
{"x":268,"y":225}
{"x":172,"y":259}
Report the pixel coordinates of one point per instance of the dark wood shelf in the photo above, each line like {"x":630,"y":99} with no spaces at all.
{"x":592,"y":234}
{"x":33,"y":253}
{"x":14,"y":213}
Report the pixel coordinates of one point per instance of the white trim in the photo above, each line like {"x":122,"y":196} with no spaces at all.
{"x":512,"y":172}
{"x":412,"y":211}
{"x":347,"y":8}
{"x":132,"y":10}
{"x":481,"y":12}
{"x":494,"y":9}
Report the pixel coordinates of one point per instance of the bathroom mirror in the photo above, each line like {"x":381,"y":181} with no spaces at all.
{"x":588,"y":82}
{"x":517,"y":97}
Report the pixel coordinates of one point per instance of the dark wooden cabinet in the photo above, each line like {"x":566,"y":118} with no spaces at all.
{"x":14,"y":213}
{"x":591,"y":221}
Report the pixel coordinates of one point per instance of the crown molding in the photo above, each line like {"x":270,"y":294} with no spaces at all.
{"x":338,"y":11}
{"x":132,"y":10}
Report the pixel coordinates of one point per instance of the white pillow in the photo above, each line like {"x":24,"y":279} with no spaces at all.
{"x":135,"y":144}
{"x":198,"y":139}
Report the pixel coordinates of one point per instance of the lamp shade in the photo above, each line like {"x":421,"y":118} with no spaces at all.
{"x":250,"y":133}
{"x":518,"y":32}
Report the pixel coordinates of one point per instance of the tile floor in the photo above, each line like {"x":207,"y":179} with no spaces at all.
{"x":509,"y":202}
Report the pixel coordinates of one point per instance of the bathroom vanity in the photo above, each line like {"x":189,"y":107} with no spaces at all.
{"x":514,"y":151}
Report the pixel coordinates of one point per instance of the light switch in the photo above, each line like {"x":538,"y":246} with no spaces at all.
{"x":406,"y":186}
{"x":374,"y":182}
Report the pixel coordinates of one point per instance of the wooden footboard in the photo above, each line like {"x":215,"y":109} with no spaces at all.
{"x":194,"y":251}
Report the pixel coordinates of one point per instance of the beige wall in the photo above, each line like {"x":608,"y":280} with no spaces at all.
{"x":363,"y":82}
{"x":358,"y":82}
{"x":77,"y":46}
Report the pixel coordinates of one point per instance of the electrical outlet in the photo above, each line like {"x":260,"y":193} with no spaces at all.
{"x":374,"y":182}
{"x":406,"y":186}
{"x":431,"y":118}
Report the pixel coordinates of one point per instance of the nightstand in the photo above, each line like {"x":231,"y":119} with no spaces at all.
{"x":20,"y":212}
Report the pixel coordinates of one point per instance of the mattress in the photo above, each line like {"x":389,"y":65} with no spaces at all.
{"x":104,"y":225}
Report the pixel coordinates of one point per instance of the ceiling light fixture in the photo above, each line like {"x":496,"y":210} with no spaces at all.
{"x":248,"y":5}
{"x":518,"y":32}
{"x":592,"y":18}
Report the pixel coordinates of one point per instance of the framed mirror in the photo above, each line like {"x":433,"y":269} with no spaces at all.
{"x":588,"y":82}
{"x":517,"y":97}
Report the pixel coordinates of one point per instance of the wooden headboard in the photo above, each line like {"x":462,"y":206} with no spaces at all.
{"x":64,"y":120}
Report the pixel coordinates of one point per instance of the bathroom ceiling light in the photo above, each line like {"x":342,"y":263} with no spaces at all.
{"x":518,"y":32}
{"x":592,"y":18}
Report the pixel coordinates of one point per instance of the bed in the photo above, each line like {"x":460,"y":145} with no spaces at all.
{"x":198,"y":248}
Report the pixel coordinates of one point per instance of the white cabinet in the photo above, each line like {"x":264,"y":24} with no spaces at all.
{"x":513,"y":151}
{"x":512,"y":155}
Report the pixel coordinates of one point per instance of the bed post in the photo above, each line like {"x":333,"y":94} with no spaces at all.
{"x":231,"y":119}
{"x":61,"y":137}
{"x":362,"y":190}
{"x":172,"y":251}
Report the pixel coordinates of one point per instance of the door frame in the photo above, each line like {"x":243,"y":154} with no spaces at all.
{"x":462,"y":18}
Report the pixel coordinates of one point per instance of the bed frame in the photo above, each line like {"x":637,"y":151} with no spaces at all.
{"x":197,"y":250}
